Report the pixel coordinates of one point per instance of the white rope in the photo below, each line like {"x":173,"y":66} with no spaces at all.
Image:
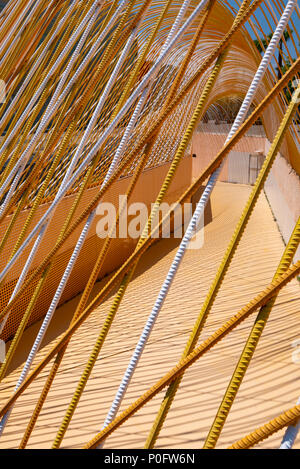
{"x":56,"y":100}
{"x":175,"y":26}
{"x":104,"y":136}
{"x":198,"y":214}
{"x":11,"y":191}
{"x":290,"y":435}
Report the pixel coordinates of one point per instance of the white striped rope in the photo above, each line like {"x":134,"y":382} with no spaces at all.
{"x":198,"y":214}
{"x":11,"y":190}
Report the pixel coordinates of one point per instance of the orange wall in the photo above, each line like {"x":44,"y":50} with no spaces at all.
{"x":146,"y":191}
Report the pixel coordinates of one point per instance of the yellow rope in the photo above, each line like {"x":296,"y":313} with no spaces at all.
{"x":289,"y":417}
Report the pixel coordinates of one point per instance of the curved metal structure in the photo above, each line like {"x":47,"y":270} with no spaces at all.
{"x":102,"y":99}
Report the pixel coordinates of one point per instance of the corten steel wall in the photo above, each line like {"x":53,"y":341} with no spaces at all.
{"x":146,"y":190}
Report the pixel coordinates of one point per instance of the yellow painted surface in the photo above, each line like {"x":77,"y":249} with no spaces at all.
{"x":271,"y":384}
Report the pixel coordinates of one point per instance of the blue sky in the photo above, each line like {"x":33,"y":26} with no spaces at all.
{"x":264,"y":25}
